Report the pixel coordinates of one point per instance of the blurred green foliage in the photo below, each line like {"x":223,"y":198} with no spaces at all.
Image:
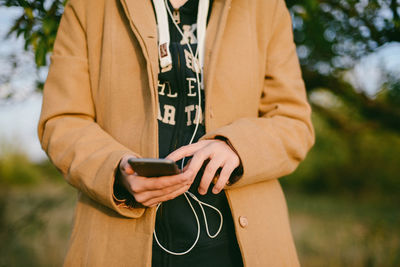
{"x":363,"y":163}
{"x":333,"y":33}
{"x":338,"y":231}
{"x":38,"y":25}
{"x":16,"y":169}
{"x":331,"y":36}
{"x":35,"y":224}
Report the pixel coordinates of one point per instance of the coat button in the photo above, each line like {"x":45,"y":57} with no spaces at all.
{"x":211,"y":113}
{"x":243,"y":221}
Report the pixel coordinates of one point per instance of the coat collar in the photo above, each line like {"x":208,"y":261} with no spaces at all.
{"x":143,"y":24}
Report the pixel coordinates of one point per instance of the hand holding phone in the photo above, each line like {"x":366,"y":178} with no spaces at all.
{"x":163,"y":180}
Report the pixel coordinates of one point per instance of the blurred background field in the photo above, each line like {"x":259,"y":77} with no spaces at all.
{"x":343,"y":199}
{"x":329,"y":229}
{"x":342,"y":213}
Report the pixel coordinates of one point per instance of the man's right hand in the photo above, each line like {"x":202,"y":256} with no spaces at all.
{"x":149,"y":191}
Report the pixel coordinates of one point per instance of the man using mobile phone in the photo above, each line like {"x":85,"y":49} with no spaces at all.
{"x":212,"y":85}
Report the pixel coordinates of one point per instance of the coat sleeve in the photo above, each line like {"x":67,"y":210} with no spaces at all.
{"x":273,"y":144}
{"x":87,"y":156}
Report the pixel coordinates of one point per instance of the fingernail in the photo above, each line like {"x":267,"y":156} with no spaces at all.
{"x":201,"y":191}
{"x":215,"y":191}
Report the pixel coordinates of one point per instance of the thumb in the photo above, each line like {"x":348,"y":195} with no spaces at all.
{"x":184,"y":151}
{"x":128,"y":169}
{"x":125,"y":166}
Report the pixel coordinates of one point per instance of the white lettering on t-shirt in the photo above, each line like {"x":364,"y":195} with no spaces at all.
{"x":188,"y":33}
{"x":199,"y":115}
{"x":191,"y":86}
{"x":190,"y":64}
{"x":188,"y":110}
{"x":161,"y":87}
{"x":169,"y":115}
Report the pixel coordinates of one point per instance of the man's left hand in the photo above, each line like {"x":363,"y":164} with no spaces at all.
{"x":220,"y":155}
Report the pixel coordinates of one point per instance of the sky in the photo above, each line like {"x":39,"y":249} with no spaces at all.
{"x":367,"y":73}
{"x":18,"y":118}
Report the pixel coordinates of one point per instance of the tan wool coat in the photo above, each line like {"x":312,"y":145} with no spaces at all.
{"x":100,"y":103}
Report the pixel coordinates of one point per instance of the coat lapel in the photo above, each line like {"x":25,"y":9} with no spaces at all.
{"x":215,"y":30}
{"x":143,"y":24}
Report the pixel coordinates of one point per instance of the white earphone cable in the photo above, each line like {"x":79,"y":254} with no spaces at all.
{"x":198,"y":66}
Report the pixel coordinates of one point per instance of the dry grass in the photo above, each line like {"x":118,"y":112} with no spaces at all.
{"x":338,"y":231}
{"x":35,"y":223}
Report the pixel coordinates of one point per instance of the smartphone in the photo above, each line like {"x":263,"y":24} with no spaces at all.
{"x":149,"y":167}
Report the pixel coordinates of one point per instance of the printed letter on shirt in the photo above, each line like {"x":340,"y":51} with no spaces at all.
{"x":191,"y":86}
{"x":199,"y":115}
{"x":188,"y":33}
{"x":169,"y":114}
{"x":188,"y":110}
{"x":189,"y":60}
{"x":161,"y":91}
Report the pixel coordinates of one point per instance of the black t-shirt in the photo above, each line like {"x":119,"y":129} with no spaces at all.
{"x":178,"y":87}
{"x":176,"y":225}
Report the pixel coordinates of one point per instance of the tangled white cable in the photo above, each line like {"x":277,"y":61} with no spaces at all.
{"x":201,"y":203}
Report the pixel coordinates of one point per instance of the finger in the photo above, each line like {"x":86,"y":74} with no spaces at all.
{"x":197,"y":161}
{"x":140,"y":184}
{"x":153,"y":205}
{"x":187,"y":165}
{"x":167,"y":197}
{"x":143,"y":195}
{"x":224,"y":176}
{"x":125,"y":166}
{"x":182,"y":152}
{"x":209,"y":173}
{"x":186,"y":151}
{"x":146,"y":196}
